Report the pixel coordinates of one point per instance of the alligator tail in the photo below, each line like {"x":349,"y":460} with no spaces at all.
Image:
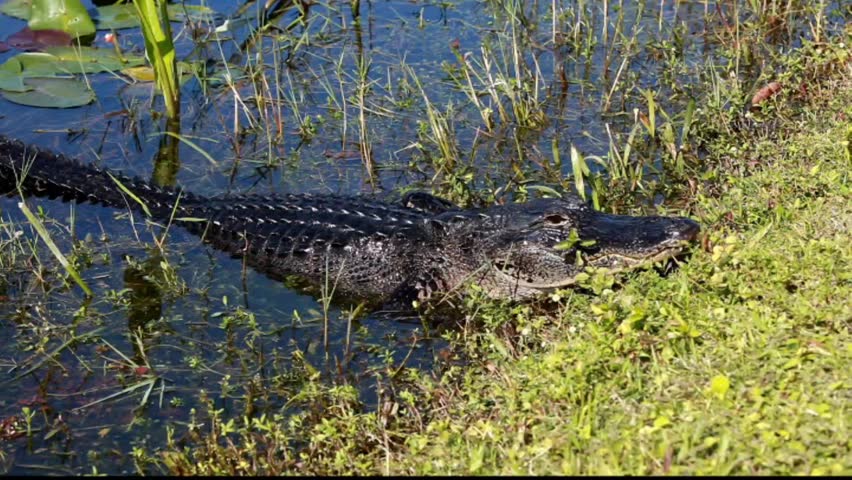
{"x":41,"y":173}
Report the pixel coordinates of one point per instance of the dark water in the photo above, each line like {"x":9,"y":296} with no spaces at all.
{"x":208,"y":323}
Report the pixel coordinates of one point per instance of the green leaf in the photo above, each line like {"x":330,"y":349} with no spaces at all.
{"x":194,"y":147}
{"x":140,"y":74}
{"x":116,"y":16}
{"x":545,"y":190}
{"x":106,"y":57}
{"x":720,"y":385}
{"x":17,"y":8}
{"x":161,"y":51}
{"x":476,"y":459}
{"x":661,"y":422}
{"x":35,"y":64}
{"x":45,"y":236}
{"x":580,"y":171}
{"x":119,"y":16}
{"x":10,"y":76}
{"x":52,"y":93}
{"x":12,"y":83}
{"x":652,"y":112}
{"x":69,"y":16}
{"x":71,"y":60}
{"x":130,"y":194}
{"x":567,"y":244}
{"x":687,"y":121}
{"x":50,"y":356}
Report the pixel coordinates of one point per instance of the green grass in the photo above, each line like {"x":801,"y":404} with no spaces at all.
{"x":739,"y":362}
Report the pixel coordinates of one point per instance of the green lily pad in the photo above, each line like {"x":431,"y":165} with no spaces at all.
{"x":17,"y":8}
{"x":92,"y":58}
{"x":10,"y":76}
{"x":119,"y":16}
{"x":12,"y":84}
{"x":140,"y":74}
{"x":52,"y":93}
{"x":179,"y":13}
{"x":68,"y":60}
{"x":116,"y":16}
{"x":66,"y":15}
{"x":145,"y":74}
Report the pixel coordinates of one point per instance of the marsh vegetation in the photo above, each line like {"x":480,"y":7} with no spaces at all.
{"x":182,"y":360}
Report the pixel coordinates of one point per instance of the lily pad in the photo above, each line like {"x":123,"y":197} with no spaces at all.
{"x":52,"y":93}
{"x":180,"y":12}
{"x":11,"y":77}
{"x":12,"y":84}
{"x":116,"y":16}
{"x":69,"y":60}
{"x":105,"y":58}
{"x":17,"y":8}
{"x":140,"y":74}
{"x":119,"y":16}
{"x":66,"y":15}
{"x":28,"y":39}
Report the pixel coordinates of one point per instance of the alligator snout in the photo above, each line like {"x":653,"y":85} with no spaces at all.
{"x":628,"y":232}
{"x":687,"y":230}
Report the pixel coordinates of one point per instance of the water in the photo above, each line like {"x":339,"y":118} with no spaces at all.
{"x":206,"y":322}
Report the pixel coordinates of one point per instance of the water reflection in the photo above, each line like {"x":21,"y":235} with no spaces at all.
{"x":167,"y":158}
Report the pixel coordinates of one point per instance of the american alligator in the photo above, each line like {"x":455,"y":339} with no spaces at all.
{"x":373,"y":250}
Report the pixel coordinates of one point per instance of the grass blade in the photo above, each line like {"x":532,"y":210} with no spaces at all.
{"x":52,"y":354}
{"x":581,"y":171}
{"x":194,"y":146}
{"x":45,"y":236}
{"x":130,"y":194}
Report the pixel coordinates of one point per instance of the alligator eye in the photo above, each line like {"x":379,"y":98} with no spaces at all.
{"x":556,"y":219}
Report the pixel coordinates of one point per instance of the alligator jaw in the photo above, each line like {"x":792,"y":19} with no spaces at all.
{"x":622,"y":263}
{"x":540,"y":260}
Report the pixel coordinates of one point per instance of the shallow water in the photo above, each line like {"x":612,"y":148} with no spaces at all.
{"x":202,"y":335}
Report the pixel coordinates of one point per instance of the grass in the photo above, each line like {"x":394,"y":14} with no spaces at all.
{"x":736,"y":363}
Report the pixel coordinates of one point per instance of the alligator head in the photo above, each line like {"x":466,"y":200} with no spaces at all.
{"x":524,"y":249}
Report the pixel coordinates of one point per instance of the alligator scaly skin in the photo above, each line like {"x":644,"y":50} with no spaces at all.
{"x":373,"y":250}
{"x":352,"y":239}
